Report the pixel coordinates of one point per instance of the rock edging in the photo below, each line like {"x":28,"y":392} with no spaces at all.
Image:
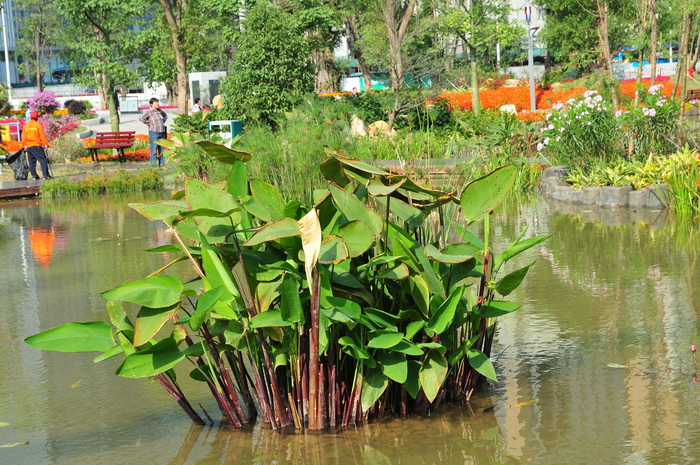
{"x":553,"y":186}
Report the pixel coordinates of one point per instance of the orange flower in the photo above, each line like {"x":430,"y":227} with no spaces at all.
{"x":518,"y":96}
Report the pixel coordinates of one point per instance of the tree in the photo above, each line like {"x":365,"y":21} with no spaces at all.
{"x":479,"y":24}
{"x":37,"y":39}
{"x":271,"y":70}
{"x":101,"y":43}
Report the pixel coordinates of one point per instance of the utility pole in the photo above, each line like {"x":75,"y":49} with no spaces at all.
{"x":530,"y":58}
{"x":7,"y":54}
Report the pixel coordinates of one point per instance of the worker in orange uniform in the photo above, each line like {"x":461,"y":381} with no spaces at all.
{"x":35,"y":142}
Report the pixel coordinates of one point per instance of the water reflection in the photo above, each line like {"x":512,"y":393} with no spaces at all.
{"x":595,"y":368}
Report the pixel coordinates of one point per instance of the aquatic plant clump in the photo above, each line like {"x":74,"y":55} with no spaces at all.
{"x":313,"y":317}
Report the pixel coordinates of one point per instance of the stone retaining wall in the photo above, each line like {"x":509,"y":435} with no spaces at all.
{"x":553,"y":186}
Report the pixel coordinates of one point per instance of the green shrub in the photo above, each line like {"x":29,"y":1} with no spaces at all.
{"x":119,"y":182}
{"x":68,"y":148}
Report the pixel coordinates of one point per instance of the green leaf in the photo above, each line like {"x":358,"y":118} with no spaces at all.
{"x":354,"y":209}
{"x":481,"y":363}
{"x":14,"y":444}
{"x":216,"y":272}
{"x":114,"y":351}
{"x":376,"y":188}
{"x":483,"y":195}
{"x":203,"y":308}
{"x":290,"y":305}
{"x":255,"y":208}
{"x":399,"y":271}
{"x":442,"y":318}
{"x":511,"y":281}
{"x":92,"y":336}
{"x":373,"y":386}
{"x":154,"y":360}
{"x":395,"y":366}
{"x":268,"y":319}
{"x":454,"y":253}
{"x":383,"y":339}
{"x":287,"y":227}
{"x":383,"y":319}
{"x":333,"y":250}
{"x":413,"y":327}
{"x":349,"y":347}
{"x":223,"y":153}
{"x":496,"y":308}
{"x":267,"y":195}
{"x":357,"y":237}
{"x":155,"y":292}
{"x":201,"y":195}
{"x":150,"y":320}
{"x":405,"y":212}
{"x":433,"y":374}
{"x":161,"y":210}
{"x":208,"y":213}
{"x":412,"y":384}
{"x":515,"y":249}
{"x":408,"y":348}
{"x":347,"y":307}
{"x":433,"y":346}
{"x":461,"y":351}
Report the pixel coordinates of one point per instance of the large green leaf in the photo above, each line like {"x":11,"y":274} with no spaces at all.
{"x":92,"y":336}
{"x":161,"y":210}
{"x":412,"y":384}
{"x":268,"y":319}
{"x":223,"y":153}
{"x":511,"y":281}
{"x":515,"y":249}
{"x":237,"y":186}
{"x":154,"y":360}
{"x":155,"y":291}
{"x":290,"y":305}
{"x":200,"y":195}
{"x":216,"y":272}
{"x":383,"y":339}
{"x":442,"y":318}
{"x":405,"y":212}
{"x":400,"y":271}
{"x":255,"y":208}
{"x":333,"y":250}
{"x":373,"y":386}
{"x":349,"y":346}
{"x":347,"y":307}
{"x":357,"y":237}
{"x":453,"y":253}
{"x":354,"y":209}
{"x":483,"y":195}
{"x":433,"y":374}
{"x":395,"y":366}
{"x":150,"y":320}
{"x":376,"y":187}
{"x":481,"y":363}
{"x":287,"y":227}
{"x":408,"y":348}
{"x":268,"y":195}
{"x":203,"y":308}
{"x":496,"y":308}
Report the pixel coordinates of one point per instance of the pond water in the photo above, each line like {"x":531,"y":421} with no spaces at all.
{"x":595,"y":368}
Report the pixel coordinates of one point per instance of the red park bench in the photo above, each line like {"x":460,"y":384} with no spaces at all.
{"x":113,"y":140}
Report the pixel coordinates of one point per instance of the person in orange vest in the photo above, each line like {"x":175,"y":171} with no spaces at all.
{"x":35,"y":142}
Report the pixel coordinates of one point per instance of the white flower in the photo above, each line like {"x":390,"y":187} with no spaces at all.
{"x":588,"y":123}
{"x":618,"y":113}
{"x":589,"y":93}
{"x":561,"y":129}
{"x":550,"y":127}
{"x":546,"y":141}
{"x":661,"y":102}
{"x":557,"y":138}
{"x":598,"y":98}
{"x":653,"y":90}
{"x":539,"y":146}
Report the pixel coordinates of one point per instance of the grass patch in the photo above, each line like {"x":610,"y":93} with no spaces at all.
{"x":113,"y":183}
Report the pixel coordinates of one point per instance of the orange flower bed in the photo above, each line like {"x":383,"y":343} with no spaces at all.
{"x":131,"y":155}
{"x":518,"y":96}
{"x":530,"y":116}
{"x":629,"y":88}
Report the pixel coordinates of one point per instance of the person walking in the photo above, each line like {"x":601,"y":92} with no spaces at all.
{"x":155,"y":119}
{"x":35,"y":143}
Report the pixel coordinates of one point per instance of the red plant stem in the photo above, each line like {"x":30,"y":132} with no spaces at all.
{"x":313,"y":356}
{"x":333,"y":397}
{"x":230,"y":390}
{"x":268,"y":417}
{"x":322,"y":397}
{"x":305,"y":390}
{"x":180,"y":398}
{"x":277,"y":399}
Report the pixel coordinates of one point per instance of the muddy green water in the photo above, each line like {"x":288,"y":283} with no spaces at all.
{"x":596,"y":367}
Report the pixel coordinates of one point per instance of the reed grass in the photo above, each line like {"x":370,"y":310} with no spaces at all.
{"x":113,"y":183}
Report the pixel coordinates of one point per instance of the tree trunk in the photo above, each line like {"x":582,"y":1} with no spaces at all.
{"x":603,"y":38}
{"x":682,"y":69}
{"x":395,"y":33}
{"x":476,"y":104}
{"x":102,"y":91}
{"x":38,"y":63}
{"x":654,"y":40}
{"x":324,"y":81}
{"x":174,"y":19}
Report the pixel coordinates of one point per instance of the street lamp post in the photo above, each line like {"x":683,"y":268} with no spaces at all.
{"x":7,"y":54}
{"x":530,"y":58}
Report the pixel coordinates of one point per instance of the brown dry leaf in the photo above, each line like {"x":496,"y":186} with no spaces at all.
{"x":311,"y":242}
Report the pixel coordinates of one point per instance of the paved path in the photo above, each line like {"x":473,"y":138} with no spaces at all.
{"x":128,"y":122}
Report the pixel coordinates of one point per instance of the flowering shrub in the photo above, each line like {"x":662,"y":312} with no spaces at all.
{"x":581,"y":130}
{"x":43,"y":102}
{"x":651,"y":122}
{"x":131,"y":155}
{"x":55,"y":127}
